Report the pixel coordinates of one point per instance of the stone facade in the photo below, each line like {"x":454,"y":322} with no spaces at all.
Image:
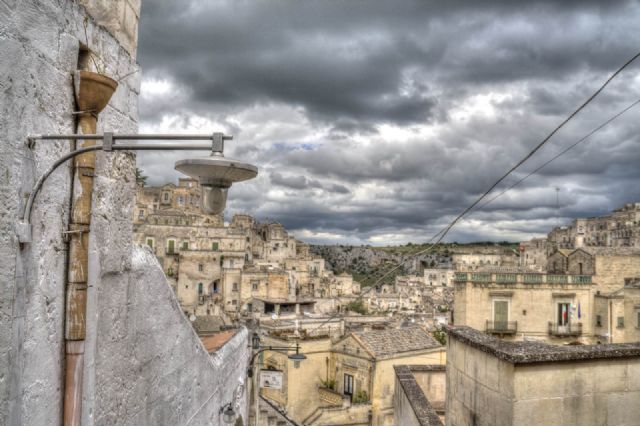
{"x":556,"y":308}
{"x":620,"y":228}
{"x":491,"y":382}
{"x":243,"y":268}
{"x":359,"y":368}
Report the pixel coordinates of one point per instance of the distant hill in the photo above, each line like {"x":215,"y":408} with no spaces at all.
{"x":367,"y":263}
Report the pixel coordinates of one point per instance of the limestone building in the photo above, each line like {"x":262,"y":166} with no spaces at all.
{"x":620,"y":228}
{"x":240,"y":268}
{"x":349,"y":380}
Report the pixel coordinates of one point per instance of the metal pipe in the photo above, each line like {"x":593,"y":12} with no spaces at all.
{"x":149,"y":137}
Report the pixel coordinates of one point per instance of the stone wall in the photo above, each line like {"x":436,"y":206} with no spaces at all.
{"x":412,"y":405}
{"x":39,"y":46}
{"x":144,"y":364}
{"x":492,"y":382}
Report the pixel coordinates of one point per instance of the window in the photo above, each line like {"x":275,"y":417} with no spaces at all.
{"x":141,"y":214}
{"x":215,"y":287}
{"x":234,"y":302}
{"x":180,"y":200}
{"x":235,"y":286}
{"x":166,"y":196}
{"x":563,"y":314}
{"x":214,"y":246}
{"x":348,"y":385}
{"x":598,"y":320}
{"x":620,"y":322}
{"x":200,"y":267}
{"x":171,"y":246}
{"x":185,"y":245}
{"x":638,"y":319}
{"x":150,"y":242}
{"x":200,"y":289}
{"x":254,"y":286}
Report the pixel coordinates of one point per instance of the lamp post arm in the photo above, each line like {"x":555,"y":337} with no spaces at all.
{"x":23,"y":228}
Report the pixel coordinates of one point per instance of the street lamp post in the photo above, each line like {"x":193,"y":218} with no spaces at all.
{"x":296,"y":357}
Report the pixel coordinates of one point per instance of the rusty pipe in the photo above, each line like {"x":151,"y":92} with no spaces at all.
{"x":92,"y":92}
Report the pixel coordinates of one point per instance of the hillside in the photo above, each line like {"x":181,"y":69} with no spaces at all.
{"x":367,"y":264}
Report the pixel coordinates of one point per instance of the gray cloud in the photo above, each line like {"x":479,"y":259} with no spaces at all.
{"x":377,"y":121}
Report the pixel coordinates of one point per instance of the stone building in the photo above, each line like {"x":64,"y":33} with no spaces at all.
{"x":493,"y":382}
{"x":525,"y":305}
{"x":143,"y":363}
{"x":241,"y":268}
{"x":617,"y":314}
{"x":349,"y":380}
{"x":620,"y":228}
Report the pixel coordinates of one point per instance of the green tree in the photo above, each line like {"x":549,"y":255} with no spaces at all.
{"x":141,"y":179}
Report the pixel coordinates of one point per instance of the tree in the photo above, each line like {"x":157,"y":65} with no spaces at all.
{"x":140,"y":178}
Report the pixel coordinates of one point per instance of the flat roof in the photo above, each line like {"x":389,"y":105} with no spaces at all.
{"x":539,"y":352}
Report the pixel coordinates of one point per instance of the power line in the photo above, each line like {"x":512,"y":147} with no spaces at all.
{"x":560,"y":154}
{"x":442,"y":233}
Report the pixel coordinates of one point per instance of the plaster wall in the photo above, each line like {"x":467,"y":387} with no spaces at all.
{"x":583,"y":393}
{"x":480,"y":387}
{"x":39,"y":46}
{"x":532,"y":306}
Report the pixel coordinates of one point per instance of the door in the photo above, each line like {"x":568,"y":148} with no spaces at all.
{"x":348,"y":385}
{"x":563,"y":314}
{"x":500,"y":314}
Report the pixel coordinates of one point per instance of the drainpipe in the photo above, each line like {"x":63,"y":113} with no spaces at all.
{"x":92,"y":91}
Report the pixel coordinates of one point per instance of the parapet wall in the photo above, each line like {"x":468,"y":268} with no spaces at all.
{"x":493,"y":382}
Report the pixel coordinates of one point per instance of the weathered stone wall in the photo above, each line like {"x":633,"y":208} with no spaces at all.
{"x":39,"y":46}
{"x":611,"y":270}
{"x":480,"y":387}
{"x":491,"y":382}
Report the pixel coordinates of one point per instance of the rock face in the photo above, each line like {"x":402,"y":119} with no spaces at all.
{"x":367,"y":264}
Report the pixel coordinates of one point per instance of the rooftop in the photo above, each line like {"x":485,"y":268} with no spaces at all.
{"x":214,"y":342}
{"x":538,"y":352}
{"x":395,"y":341}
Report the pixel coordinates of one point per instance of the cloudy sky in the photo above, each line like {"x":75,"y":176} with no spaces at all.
{"x":376,"y":122}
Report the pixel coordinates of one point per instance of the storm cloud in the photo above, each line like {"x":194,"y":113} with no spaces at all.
{"x":376,"y":122}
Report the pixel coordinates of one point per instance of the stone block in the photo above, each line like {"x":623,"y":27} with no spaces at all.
{"x":538,"y":412}
{"x":610,"y":377}
{"x":623,"y":408}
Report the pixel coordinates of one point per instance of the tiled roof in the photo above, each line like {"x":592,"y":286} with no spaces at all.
{"x":394,"y":341}
{"x":214,"y":342}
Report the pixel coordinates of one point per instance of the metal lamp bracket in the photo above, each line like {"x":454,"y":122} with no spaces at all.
{"x":110,"y":143}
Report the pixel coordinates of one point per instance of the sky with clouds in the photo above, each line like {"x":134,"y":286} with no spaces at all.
{"x":376,"y":121}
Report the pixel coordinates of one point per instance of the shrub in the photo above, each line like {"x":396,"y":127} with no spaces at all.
{"x":360,"y":397}
{"x":329,"y":384}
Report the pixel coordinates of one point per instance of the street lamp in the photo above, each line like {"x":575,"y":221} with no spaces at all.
{"x":215,"y":173}
{"x":228,"y":414}
{"x":255,"y":344}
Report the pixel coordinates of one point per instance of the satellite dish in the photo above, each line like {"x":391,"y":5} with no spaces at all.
{"x":192,"y":318}
{"x":274,"y":316}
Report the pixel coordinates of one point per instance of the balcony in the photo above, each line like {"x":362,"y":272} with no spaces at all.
{"x":506,"y":278}
{"x":501,"y":327}
{"x":330,"y":396}
{"x":557,"y":279}
{"x":480,"y":278}
{"x":532,"y":278}
{"x":581,"y":279}
{"x":571,"y":329}
{"x":460,"y":277}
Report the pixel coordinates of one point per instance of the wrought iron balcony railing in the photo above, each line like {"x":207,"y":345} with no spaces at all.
{"x":502,"y":327}
{"x":571,"y":329}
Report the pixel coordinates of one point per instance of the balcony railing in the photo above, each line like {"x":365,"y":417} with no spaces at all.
{"x":520,"y":278}
{"x":460,"y":277}
{"x":571,"y":329}
{"x":480,"y":278}
{"x":582,"y":279}
{"x":502,"y":327}
{"x":532,"y":278}
{"x":506,"y":278}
